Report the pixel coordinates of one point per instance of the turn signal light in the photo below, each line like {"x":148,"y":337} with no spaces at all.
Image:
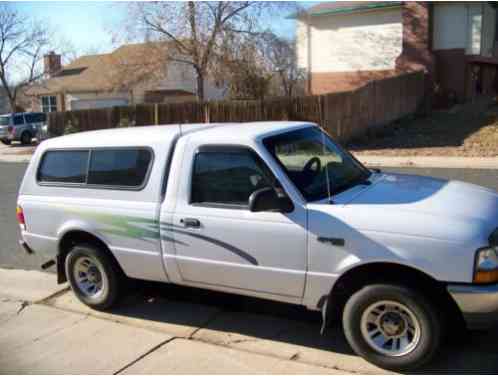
{"x":486,"y":276}
{"x":486,"y":267}
{"x":20,"y":216}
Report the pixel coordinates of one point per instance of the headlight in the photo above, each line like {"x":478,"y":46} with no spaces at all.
{"x":486,"y":267}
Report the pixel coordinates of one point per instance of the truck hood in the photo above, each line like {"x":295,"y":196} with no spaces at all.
{"x":428,"y":207}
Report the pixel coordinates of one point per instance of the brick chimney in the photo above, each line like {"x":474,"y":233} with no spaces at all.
{"x":51,"y":64}
{"x":417,"y":35}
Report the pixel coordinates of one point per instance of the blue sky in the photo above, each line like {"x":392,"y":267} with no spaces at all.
{"x":88,"y":25}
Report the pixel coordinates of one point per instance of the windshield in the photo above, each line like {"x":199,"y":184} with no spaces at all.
{"x":4,"y":120}
{"x":316,"y":165}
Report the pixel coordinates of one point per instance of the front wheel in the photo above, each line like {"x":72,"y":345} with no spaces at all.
{"x":94,"y":276}
{"x":392,"y":326}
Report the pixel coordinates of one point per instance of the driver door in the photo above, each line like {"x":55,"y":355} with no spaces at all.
{"x":220,"y":243}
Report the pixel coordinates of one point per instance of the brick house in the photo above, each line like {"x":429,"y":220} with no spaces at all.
{"x":131,"y":74}
{"x":345,"y":44}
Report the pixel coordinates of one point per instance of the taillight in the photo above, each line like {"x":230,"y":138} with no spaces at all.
{"x":10,"y":129}
{"x":20,"y":217}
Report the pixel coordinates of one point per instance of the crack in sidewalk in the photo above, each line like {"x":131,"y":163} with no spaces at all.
{"x":204,"y":325}
{"x":24,"y":304}
{"x":150,"y":351}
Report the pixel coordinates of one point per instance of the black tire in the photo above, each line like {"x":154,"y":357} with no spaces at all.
{"x":6,"y":142}
{"x":26,"y":138}
{"x":111,"y":276}
{"x":429,"y":321}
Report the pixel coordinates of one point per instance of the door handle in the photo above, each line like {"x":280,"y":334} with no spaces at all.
{"x":339,"y":242}
{"x":190,"y":222}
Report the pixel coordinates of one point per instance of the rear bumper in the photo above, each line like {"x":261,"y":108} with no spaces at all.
{"x":479,"y":304}
{"x":44,"y":246}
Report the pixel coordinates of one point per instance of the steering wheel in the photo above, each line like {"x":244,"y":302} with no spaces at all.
{"x":309,"y":171}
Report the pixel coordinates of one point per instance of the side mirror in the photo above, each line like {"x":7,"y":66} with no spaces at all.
{"x":268,"y":199}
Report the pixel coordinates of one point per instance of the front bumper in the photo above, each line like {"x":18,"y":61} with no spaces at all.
{"x":478,"y":303}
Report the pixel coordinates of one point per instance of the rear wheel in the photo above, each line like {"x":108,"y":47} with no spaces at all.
{"x":94,"y":276}
{"x":392,"y":326}
{"x":26,"y":138}
{"x":6,"y":142}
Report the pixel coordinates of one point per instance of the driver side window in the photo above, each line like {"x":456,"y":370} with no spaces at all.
{"x":227,"y":177}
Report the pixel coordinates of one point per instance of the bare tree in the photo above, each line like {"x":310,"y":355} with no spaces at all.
{"x":246,"y":71}
{"x":23,"y":42}
{"x":200,"y":32}
{"x":281,"y":55}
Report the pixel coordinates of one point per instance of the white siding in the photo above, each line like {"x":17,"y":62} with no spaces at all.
{"x":450,"y":26}
{"x":475,"y":28}
{"x":179,"y":76}
{"x":78,"y":101}
{"x":302,"y":44}
{"x":488,"y":30}
{"x":352,"y":42}
{"x":470,"y":26}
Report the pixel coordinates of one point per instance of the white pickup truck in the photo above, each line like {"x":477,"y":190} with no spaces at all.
{"x":275,"y":210}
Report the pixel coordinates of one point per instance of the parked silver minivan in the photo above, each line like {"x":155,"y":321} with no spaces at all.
{"x":22,"y":127}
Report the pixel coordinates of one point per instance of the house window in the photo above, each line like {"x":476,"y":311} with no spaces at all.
{"x":49,"y":103}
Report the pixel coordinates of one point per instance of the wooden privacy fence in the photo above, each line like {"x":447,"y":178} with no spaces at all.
{"x":344,"y":115}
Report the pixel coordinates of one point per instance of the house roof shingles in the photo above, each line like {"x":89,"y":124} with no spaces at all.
{"x":105,"y":72}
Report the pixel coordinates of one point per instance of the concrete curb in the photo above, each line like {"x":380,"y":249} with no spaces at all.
{"x":429,"y":162}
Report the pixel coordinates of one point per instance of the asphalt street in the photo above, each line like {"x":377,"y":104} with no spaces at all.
{"x":12,"y":256}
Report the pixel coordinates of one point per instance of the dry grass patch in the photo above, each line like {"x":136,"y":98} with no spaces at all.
{"x":469,"y":130}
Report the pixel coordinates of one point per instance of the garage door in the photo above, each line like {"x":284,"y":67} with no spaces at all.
{"x":97,"y":103}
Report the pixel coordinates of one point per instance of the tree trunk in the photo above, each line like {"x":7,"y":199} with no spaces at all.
{"x":12,"y":102}
{"x":200,"y":86}
{"x":11,"y":95}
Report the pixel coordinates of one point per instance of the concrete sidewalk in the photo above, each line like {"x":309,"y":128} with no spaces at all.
{"x":16,"y":153}
{"x":38,"y":338}
{"x":45,"y":329}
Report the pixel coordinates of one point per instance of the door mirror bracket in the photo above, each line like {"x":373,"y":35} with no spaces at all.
{"x":269,"y":199}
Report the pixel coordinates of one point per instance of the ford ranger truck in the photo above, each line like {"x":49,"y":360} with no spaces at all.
{"x":274,"y":210}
